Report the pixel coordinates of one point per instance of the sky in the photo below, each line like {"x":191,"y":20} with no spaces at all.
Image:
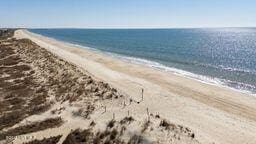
{"x":127,"y":13}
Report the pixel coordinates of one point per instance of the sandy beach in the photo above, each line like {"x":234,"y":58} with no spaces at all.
{"x":215,"y":114}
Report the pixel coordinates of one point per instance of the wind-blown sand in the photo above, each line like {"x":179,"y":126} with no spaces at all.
{"x":214,"y":113}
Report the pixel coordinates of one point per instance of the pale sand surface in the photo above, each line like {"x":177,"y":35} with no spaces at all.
{"x":214,"y":113}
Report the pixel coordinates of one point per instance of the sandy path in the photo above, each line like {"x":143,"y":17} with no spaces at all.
{"x":214,"y":113}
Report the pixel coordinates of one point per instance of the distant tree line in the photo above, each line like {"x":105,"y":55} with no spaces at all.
{"x":5,"y":33}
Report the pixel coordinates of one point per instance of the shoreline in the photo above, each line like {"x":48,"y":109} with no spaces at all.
{"x":203,"y":107}
{"x":158,"y":66}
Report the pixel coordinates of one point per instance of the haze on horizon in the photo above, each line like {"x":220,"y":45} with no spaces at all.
{"x":127,"y":14}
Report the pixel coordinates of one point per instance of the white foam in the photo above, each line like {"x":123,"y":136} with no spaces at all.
{"x":169,"y":69}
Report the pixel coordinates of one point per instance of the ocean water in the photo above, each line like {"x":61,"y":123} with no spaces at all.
{"x":220,"y":55}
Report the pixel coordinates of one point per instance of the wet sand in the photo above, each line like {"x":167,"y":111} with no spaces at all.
{"x":214,"y":113}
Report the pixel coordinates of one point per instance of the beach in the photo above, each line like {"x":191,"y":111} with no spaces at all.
{"x":46,"y":99}
{"x":86,"y":89}
{"x":216,"y":114}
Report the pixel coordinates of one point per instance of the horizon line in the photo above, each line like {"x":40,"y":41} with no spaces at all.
{"x":125,"y":27}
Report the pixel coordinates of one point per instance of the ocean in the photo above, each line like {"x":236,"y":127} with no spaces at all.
{"x":225,"y":56}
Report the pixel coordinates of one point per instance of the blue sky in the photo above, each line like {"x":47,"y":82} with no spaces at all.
{"x":127,"y":13}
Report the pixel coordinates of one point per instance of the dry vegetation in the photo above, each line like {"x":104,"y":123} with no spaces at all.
{"x":30,"y":76}
{"x":118,"y":132}
{"x":33,"y":127}
{"x":18,"y":87}
{"x":50,"y":140}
